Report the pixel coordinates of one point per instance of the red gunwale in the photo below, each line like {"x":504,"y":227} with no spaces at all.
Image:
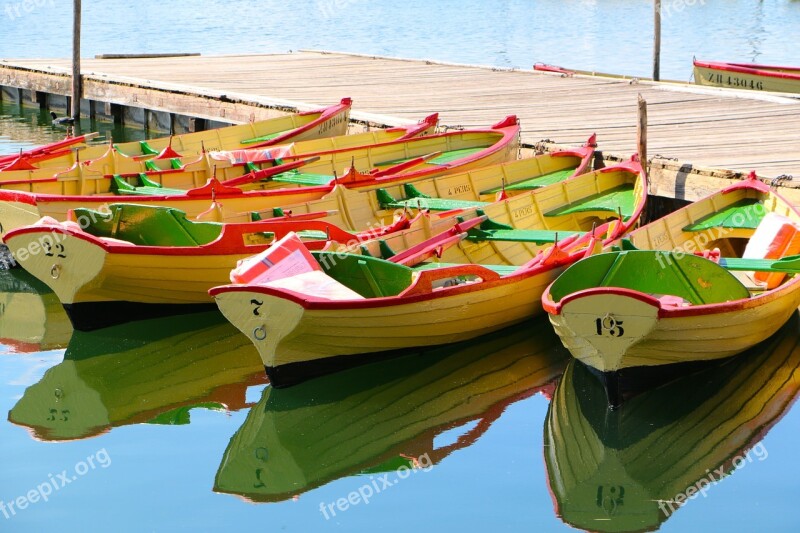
{"x":229,"y":241}
{"x":310,"y":302}
{"x":508,"y":129}
{"x":755,"y":69}
{"x":45,"y":150}
{"x":672,"y":312}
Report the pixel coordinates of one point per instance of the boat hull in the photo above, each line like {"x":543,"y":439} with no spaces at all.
{"x":653,"y":336}
{"x":310,"y":340}
{"x":750,"y":77}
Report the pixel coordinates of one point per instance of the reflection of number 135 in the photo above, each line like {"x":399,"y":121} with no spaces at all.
{"x":609,"y":326}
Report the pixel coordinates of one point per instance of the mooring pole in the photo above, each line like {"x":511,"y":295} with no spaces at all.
{"x":76,"y":61}
{"x":657,"y":40}
{"x":641,"y":133}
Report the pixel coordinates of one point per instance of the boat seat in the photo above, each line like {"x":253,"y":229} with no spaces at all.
{"x":416,"y":199}
{"x":740,"y":215}
{"x":445,"y":157}
{"x":263,"y":138}
{"x":503,"y":270}
{"x":534,"y":183}
{"x":144,"y":147}
{"x":147,"y":188}
{"x":490,"y":230}
{"x":617,"y":200}
{"x":295,"y":177}
{"x":148,"y":225}
{"x":174,"y":163}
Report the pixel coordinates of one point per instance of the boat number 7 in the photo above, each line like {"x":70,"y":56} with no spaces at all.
{"x":608,"y":325}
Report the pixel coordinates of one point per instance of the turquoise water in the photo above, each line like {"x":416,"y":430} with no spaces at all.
{"x":170,"y":425}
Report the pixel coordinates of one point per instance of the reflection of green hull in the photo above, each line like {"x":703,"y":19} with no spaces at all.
{"x":609,"y":470}
{"x":152,"y":371}
{"x":31,"y":317}
{"x":342,"y":424}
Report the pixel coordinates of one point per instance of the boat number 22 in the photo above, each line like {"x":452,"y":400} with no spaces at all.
{"x":609,"y":326}
{"x":59,"y":248}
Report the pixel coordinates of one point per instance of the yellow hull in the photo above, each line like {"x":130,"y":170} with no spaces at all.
{"x":743,"y":80}
{"x":306,"y":335}
{"x":225,"y":138}
{"x":651,"y":334}
{"x":651,"y":341}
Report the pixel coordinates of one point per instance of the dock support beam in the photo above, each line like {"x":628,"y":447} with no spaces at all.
{"x":76,"y":61}
{"x":656,"y":40}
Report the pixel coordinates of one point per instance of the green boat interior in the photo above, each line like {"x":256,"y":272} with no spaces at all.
{"x":536,"y":182}
{"x":614,"y":201}
{"x":740,"y":215}
{"x":147,"y":225}
{"x":652,"y":272}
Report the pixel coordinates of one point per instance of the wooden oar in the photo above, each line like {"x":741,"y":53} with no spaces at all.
{"x":437,"y":244}
{"x":266,"y":173}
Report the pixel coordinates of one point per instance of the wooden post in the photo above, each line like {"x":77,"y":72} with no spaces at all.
{"x":76,"y":61}
{"x":641,"y":133}
{"x":657,"y":40}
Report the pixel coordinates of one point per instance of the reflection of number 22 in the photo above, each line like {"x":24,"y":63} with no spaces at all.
{"x":609,"y":326}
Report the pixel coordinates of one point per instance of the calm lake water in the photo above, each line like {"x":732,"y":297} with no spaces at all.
{"x":170,"y":425}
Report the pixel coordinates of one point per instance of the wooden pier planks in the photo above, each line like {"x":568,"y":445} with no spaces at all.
{"x":705,"y":127}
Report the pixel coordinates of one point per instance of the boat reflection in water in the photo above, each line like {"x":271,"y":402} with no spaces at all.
{"x":149,"y":372}
{"x":382,"y":416}
{"x":31,"y":317}
{"x":629,"y":470}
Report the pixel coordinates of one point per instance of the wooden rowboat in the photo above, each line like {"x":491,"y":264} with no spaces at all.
{"x":113,"y":172}
{"x":632,"y":469}
{"x":387,"y":415}
{"x":152,"y":372}
{"x":493,"y":270}
{"x":28,"y":158}
{"x":663,"y":305}
{"x":135,"y":262}
{"x":328,"y":121}
{"x":747,"y":76}
{"x":360,"y":207}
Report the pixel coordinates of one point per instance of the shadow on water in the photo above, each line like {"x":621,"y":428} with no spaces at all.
{"x":382,"y":416}
{"x":31,"y":316}
{"x":150,"y":372}
{"x":626,"y":470}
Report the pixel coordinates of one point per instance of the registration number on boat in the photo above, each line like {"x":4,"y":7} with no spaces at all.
{"x":735,"y":81}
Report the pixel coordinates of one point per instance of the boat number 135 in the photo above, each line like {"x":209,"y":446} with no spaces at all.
{"x":608,"y":325}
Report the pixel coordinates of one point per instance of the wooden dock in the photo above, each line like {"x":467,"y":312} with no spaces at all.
{"x":699,"y":127}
